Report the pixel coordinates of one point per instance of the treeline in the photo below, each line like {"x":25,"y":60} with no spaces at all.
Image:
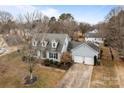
{"x":36,"y":22}
{"x":113,"y":29}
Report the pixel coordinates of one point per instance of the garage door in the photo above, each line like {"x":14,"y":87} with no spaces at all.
{"x":89,"y":61}
{"x":78,"y":59}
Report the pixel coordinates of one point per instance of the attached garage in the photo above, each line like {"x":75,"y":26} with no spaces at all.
{"x":78,"y":59}
{"x":84,"y":53}
{"x":89,"y":60}
{"x":84,"y":60}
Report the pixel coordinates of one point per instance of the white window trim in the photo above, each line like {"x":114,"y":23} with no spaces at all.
{"x":54,"y":44}
{"x":53,"y":55}
{"x":44,"y":43}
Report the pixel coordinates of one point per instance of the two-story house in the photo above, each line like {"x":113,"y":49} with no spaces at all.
{"x":50,"y":46}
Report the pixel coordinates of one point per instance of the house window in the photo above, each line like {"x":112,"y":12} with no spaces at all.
{"x":50,"y":55}
{"x":54,"y":45}
{"x":38,"y":53}
{"x":34,"y":43}
{"x":53,"y":55}
{"x":44,"y":43}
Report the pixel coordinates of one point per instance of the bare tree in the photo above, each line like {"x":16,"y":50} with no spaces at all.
{"x":5,"y":17}
{"x":6,"y":20}
{"x":28,"y":23}
{"x":66,"y":58}
{"x":114,"y":29}
{"x":85,"y":27}
{"x":32,"y":25}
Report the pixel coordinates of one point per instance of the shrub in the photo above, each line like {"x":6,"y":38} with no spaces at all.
{"x":32,"y":59}
{"x":24,"y":58}
{"x":66,"y":58}
{"x":18,"y":50}
{"x":46,"y":62}
{"x":101,"y":52}
{"x":55,"y":63}
{"x":98,"y":62}
{"x":95,"y":60}
{"x":51,"y":61}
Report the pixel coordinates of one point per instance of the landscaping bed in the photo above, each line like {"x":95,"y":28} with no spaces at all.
{"x":55,"y":64}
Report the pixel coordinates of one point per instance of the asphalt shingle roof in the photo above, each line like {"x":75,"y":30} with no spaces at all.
{"x":75,"y":44}
{"x":49,"y":37}
{"x":93,"y":46}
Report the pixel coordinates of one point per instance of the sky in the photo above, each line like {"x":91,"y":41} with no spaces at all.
{"x":82,"y":13}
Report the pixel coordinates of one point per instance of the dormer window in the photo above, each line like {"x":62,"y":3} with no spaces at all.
{"x":44,"y":43}
{"x":34,"y":43}
{"x":54,"y":44}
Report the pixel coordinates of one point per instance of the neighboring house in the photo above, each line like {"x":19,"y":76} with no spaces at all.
{"x":94,"y":37}
{"x":50,"y":46}
{"x":84,"y":52}
{"x":93,"y":31}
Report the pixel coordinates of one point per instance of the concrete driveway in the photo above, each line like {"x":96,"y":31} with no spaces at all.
{"x":78,"y":76}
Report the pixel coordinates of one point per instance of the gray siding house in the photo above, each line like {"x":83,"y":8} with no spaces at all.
{"x":50,"y":46}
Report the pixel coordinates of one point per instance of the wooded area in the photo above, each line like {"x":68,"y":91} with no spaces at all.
{"x":113,"y":29}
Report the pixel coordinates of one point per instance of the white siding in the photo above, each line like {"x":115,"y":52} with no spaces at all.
{"x":38,"y":54}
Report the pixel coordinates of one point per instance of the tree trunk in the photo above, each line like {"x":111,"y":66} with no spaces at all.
{"x":31,"y":76}
{"x":31,"y":70}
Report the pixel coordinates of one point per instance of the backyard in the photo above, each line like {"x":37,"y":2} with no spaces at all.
{"x":13,"y":71}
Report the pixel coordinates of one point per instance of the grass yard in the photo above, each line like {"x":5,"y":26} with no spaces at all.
{"x":13,"y":71}
{"x":105,"y":75}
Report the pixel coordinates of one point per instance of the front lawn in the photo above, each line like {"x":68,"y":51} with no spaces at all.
{"x":13,"y":72}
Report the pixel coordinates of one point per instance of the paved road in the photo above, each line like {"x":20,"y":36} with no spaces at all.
{"x":78,"y":76}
